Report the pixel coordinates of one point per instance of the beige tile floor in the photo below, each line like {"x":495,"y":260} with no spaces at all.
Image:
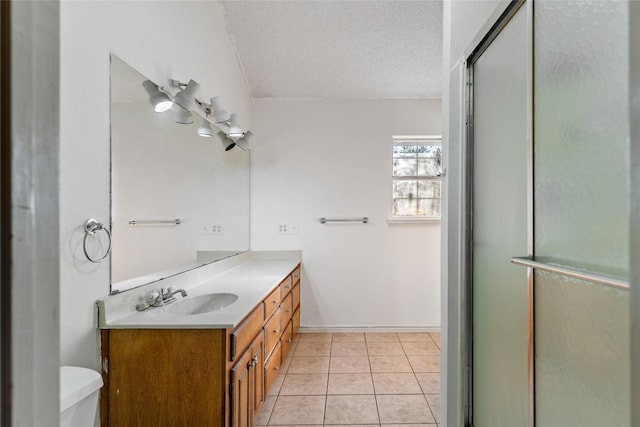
{"x":357,"y":379}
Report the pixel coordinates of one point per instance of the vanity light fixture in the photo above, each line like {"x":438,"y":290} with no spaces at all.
{"x":235,"y":131}
{"x":205,"y":129}
{"x":231,"y":134}
{"x":182,"y":116}
{"x":220,"y":115}
{"x":243,"y":143}
{"x":158,"y":99}
{"x":185,"y":100}
{"x":227,"y":143}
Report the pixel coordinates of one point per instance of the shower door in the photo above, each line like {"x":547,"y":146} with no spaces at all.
{"x":582,"y":363}
{"x":499,"y":172}
{"x":548,"y":217}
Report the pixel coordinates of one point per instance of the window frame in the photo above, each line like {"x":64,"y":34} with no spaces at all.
{"x":415,"y":140}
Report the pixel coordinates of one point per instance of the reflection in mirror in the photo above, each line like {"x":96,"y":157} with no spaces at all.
{"x":163,"y":171}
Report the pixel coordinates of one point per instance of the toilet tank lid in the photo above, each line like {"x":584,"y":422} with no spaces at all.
{"x":77,"y":383}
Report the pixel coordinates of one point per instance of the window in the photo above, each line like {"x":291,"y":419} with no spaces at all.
{"x":417,"y":177}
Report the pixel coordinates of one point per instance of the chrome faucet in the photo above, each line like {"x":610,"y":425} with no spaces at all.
{"x":160,"y":298}
{"x":170,"y":293}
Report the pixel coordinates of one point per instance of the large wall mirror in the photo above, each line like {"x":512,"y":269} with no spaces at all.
{"x":162,"y":171}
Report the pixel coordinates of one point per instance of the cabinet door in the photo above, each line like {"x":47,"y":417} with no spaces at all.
{"x":287,"y":310}
{"x":241,"y":397}
{"x":295,"y":276}
{"x":272,"y":330}
{"x":272,"y":367}
{"x":286,"y":285}
{"x":296,"y":296}
{"x":287,"y":339}
{"x":256,"y":372}
{"x":272,"y":302}
{"x":242,"y":336}
{"x":296,"y":321}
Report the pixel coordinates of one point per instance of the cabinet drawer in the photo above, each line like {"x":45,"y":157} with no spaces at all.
{"x":272,"y":368}
{"x":296,"y":296}
{"x":296,"y":321}
{"x":242,"y":336}
{"x":295,"y":276}
{"x":287,"y":339}
{"x":286,"y":310}
{"x":272,"y":332}
{"x":286,"y":286}
{"x":271,"y":303}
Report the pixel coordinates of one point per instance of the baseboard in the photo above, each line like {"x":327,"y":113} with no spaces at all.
{"x":338,"y":329}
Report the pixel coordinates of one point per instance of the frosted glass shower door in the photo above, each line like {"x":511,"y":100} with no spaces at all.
{"x":499,"y":288}
{"x":582,"y":365}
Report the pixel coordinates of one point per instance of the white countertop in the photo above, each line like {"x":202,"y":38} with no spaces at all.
{"x":250,"y":276}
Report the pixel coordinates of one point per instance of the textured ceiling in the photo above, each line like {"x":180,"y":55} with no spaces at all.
{"x":338,"y":48}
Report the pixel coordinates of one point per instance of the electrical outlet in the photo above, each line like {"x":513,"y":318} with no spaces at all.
{"x":216,"y":229}
{"x":205,"y":229}
{"x":287,"y":229}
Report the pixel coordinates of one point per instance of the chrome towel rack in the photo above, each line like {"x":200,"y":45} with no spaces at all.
{"x":91,"y":227}
{"x":364,"y":220}
{"x":134,"y":222}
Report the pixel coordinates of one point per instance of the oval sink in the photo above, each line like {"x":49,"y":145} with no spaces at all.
{"x":201,"y":304}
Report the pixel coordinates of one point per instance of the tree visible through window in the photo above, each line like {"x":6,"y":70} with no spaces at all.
{"x":417,"y":171}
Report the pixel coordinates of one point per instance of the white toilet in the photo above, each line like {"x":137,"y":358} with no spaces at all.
{"x":79,"y":390}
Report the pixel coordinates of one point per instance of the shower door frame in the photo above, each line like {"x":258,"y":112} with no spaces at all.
{"x":634,"y":203}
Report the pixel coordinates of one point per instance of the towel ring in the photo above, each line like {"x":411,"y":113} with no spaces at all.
{"x":90,"y":228}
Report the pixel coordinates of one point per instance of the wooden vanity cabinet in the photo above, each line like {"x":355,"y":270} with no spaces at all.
{"x":245,"y":333}
{"x":163,"y":377}
{"x":287,"y":310}
{"x":287,"y":339}
{"x":247,"y":385}
{"x":272,"y":331}
{"x":286,"y":285}
{"x":208,"y":377}
{"x":272,"y":303}
{"x":296,"y":308}
{"x":296,"y":321}
{"x":295,"y":275}
{"x":295,"y":296}
{"x":272,"y":366}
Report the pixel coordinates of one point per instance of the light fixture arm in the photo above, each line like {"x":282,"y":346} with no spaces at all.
{"x":177,"y":83}
{"x":206,"y":108}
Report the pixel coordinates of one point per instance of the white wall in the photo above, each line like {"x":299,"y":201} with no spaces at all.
{"x":161,"y":40}
{"x":314,"y":158}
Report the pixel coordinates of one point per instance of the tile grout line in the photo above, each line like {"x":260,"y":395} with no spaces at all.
{"x":373,"y":383}
{"x":326,"y":396}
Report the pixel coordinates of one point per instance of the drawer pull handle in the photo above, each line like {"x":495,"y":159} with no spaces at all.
{"x":275,"y":301}
{"x":276,"y":368}
{"x":276,"y":331}
{"x":288,"y":341}
{"x":287,"y":311}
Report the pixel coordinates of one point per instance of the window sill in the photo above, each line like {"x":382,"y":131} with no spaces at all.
{"x":400,"y":221}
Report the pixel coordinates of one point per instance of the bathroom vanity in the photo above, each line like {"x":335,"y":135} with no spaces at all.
{"x":163,"y":367}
